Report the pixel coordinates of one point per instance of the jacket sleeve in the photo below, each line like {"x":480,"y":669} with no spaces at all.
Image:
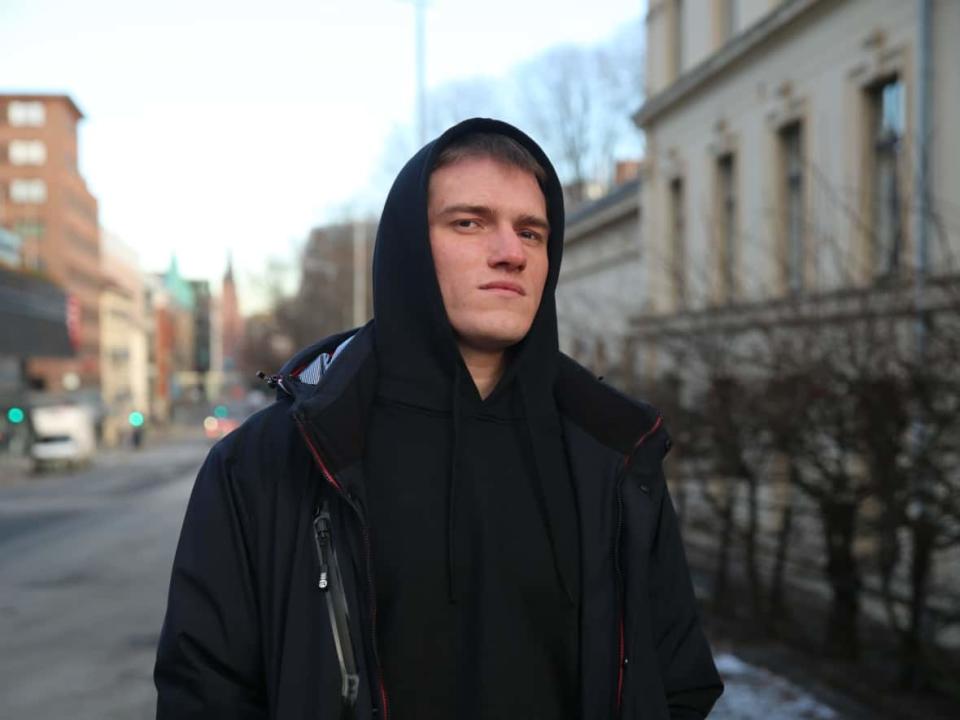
{"x":209,"y":659}
{"x":690,"y":678}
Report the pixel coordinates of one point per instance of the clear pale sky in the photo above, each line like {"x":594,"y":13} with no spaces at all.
{"x":213,"y":125}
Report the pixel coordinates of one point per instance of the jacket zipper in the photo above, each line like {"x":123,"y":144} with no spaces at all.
{"x":331,"y":584}
{"x":622,"y":659}
{"x":314,"y":451}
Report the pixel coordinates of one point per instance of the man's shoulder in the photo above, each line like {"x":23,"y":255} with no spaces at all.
{"x":610,"y":417}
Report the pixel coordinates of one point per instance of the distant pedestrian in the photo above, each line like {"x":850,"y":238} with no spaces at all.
{"x":441,"y":516}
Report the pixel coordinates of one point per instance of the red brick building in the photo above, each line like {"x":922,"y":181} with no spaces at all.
{"x":45,"y":200}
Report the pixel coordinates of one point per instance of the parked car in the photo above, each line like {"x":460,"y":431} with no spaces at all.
{"x":63,"y":434}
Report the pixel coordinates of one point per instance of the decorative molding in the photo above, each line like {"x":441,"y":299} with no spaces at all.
{"x":735,"y":50}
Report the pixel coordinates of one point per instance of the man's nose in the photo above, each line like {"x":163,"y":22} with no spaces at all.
{"x":507,"y":250}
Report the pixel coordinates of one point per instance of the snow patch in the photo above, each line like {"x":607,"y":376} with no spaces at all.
{"x":754,"y":693}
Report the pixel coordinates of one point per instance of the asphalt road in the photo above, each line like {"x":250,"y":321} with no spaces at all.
{"x":84,"y":565}
{"x":85,"y":560}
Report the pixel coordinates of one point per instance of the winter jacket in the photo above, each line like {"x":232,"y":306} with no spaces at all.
{"x":272,"y":609}
{"x":271,"y":612}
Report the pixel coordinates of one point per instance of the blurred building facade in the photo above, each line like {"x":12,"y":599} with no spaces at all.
{"x":597,"y":294}
{"x":44,"y":201}
{"x":801,"y":172}
{"x":123,"y":343}
{"x":785,"y":147}
{"x":336,"y":278}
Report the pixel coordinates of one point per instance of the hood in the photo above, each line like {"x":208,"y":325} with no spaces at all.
{"x":419,"y":360}
{"x":414,"y":338}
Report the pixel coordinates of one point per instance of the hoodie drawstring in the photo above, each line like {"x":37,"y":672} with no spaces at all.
{"x":452,"y":486}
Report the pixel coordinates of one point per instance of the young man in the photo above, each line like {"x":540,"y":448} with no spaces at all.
{"x":441,"y":516}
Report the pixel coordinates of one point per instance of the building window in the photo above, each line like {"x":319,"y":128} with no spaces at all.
{"x":678,"y":243}
{"x":886,"y":118}
{"x":792,"y":189}
{"x":676,"y":37}
{"x":26,"y":114}
{"x":28,"y":228}
{"x":727,"y":225}
{"x":27,"y":152}
{"x":33,"y":191}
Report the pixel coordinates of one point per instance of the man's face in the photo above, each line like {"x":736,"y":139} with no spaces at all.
{"x":488,"y":234}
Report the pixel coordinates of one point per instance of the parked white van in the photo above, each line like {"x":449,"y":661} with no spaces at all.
{"x":62,"y":434}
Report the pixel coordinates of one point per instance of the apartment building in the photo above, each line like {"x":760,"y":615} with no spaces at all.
{"x":797,"y":147}
{"x":45,"y":201}
{"x":597,"y":292}
{"x":123,"y":343}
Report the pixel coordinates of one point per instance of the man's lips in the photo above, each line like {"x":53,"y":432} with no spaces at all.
{"x":504,"y":285}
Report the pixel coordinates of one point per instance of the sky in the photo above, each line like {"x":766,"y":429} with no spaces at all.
{"x":215,"y":127}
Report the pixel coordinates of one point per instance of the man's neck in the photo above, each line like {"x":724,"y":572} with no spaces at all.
{"x":485,"y":368}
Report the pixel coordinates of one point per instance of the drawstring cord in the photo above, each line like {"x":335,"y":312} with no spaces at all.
{"x":452,"y":486}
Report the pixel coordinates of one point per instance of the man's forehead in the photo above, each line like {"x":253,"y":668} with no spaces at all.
{"x":470,"y":178}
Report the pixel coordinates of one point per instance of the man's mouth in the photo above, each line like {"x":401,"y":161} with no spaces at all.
{"x":504,"y":286}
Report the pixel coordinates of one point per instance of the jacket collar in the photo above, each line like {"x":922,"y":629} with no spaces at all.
{"x":336,"y":408}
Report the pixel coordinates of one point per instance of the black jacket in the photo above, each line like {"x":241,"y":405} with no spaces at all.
{"x":249,"y":632}
{"x":272,"y":609}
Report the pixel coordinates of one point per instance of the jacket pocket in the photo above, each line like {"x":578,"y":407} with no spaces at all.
{"x":330,"y":583}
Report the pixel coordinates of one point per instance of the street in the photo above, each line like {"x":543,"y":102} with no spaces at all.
{"x":85,"y":560}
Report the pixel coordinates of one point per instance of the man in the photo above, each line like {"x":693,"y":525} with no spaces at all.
{"x":441,"y":516}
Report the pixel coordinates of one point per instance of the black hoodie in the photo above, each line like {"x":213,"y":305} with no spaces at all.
{"x":473,"y":515}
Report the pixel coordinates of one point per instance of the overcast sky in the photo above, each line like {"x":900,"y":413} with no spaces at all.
{"x":213,"y":125}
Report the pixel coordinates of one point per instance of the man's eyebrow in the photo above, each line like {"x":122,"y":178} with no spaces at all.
{"x":484,"y":211}
{"x":533,"y":221}
{"x":467,"y":209}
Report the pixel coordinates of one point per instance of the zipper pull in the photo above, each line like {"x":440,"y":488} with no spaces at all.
{"x":321,"y":540}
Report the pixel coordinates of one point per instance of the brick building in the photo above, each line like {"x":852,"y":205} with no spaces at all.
{"x":45,"y":201}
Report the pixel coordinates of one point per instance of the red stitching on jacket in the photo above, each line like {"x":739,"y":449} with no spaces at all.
{"x":643,"y":438}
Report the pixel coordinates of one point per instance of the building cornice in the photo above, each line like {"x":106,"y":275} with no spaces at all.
{"x":45,"y":97}
{"x":741,"y":45}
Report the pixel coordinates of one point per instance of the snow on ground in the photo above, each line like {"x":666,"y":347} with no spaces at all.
{"x":753,"y":693}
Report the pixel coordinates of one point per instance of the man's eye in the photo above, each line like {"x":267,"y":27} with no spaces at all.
{"x":466,"y":224}
{"x":531,"y":235}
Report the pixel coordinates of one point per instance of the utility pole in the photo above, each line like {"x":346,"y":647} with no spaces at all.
{"x":420,"y":12}
{"x":420,"y":55}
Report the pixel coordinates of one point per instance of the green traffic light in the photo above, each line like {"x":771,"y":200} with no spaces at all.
{"x":16,"y":415}
{"x":221,"y":411}
{"x":136,"y":419}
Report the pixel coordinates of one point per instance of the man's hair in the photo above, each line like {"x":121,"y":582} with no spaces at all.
{"x":495,"y":146}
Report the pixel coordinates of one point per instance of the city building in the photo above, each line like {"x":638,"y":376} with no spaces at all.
{"x":231,"y":325}
{"x":597,"y":293}
{"x":45,"y":201}
{"x":123,"y":343}
{"x":795,"y":147}
{"x":800,"y":182}
{"x":202,"y":335}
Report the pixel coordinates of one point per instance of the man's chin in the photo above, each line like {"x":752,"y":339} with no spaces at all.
{"x":492,"y":340}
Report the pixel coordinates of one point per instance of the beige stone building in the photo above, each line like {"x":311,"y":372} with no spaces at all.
{"x":802,"y":166}
{"x":786,"y":143}
{"x":123,"y":339}
{"x":598,"y":291}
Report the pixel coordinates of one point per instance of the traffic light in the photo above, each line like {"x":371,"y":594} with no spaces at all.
{"x":220,"y":411}
{"x":135,"y":419}
{"x":16,"y":415}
